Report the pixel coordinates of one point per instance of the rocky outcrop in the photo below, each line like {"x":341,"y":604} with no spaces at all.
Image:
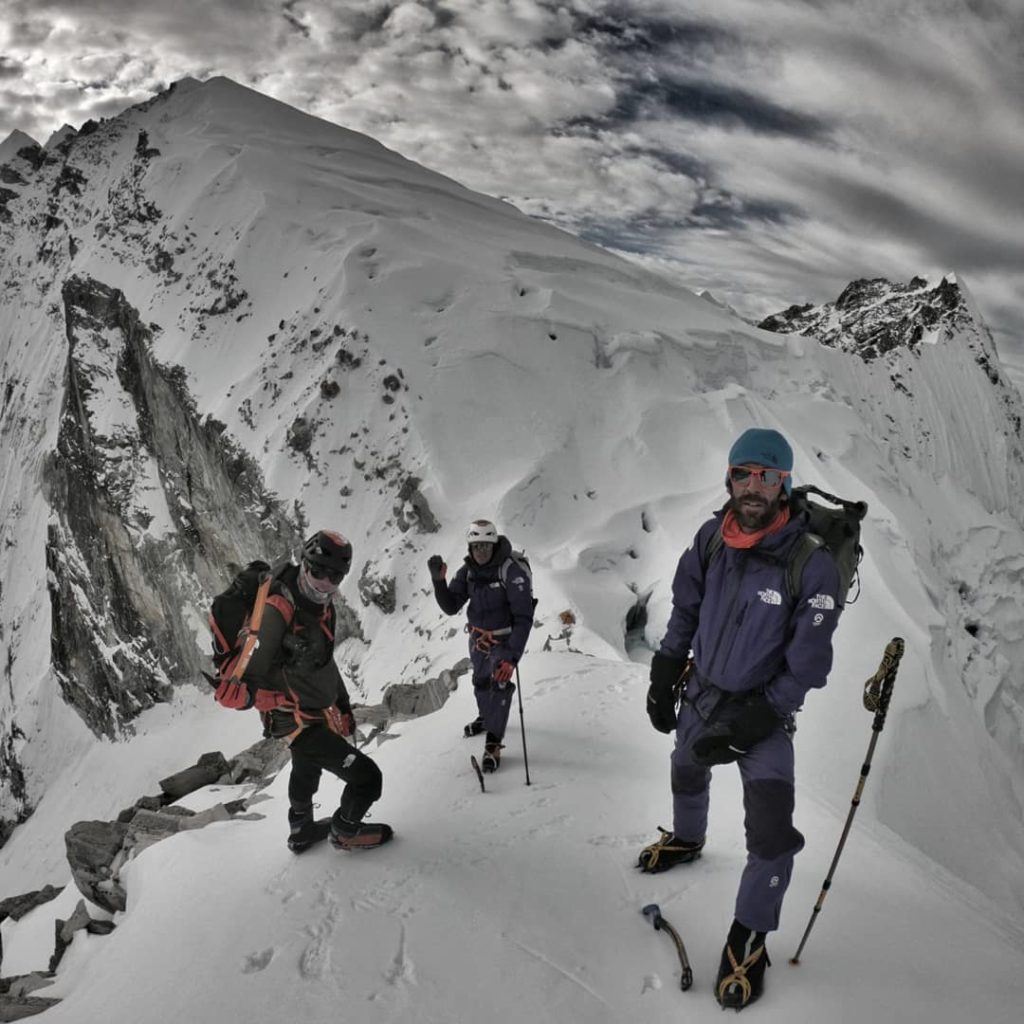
{"x":874,"y":316}
{"x":96,"y":850}
{"x":411,"y":700}
{"x":377,"y":588}
{"x":139,"y":484}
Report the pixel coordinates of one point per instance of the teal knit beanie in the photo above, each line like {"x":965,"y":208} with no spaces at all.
{"x":761,"y":447}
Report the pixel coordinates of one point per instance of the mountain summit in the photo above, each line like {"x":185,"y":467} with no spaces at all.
{"x":872,"y":317}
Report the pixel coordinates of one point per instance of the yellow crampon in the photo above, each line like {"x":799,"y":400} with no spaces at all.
{"x":739,"y":975}
{"x":650,"y":856}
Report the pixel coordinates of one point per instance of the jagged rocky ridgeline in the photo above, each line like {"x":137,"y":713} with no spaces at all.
{"x":874,"y":316}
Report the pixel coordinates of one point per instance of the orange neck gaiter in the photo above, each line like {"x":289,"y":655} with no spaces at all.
{"x":734,"y":537}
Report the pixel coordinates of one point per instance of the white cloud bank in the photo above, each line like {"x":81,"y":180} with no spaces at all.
{"x":837,"y":139}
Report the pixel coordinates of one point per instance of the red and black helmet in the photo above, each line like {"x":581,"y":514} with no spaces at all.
{"x":327,"y":554}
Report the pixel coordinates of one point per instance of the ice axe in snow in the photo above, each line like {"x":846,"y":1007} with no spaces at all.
{"x":653,"y":914}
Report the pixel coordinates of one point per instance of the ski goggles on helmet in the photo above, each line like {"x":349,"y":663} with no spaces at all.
{"x":764,"y":475}
{"x":319,"y":572}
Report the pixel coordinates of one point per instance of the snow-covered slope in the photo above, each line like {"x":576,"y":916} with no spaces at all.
{"x":225,"y":322}
{"x":524,"y":901}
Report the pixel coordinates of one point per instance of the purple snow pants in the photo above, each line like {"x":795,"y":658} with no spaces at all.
{"x":493,"y":700}
{"x":772,"y":841}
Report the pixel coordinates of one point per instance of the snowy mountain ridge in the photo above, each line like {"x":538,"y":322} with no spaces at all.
{"x":225,"y":322}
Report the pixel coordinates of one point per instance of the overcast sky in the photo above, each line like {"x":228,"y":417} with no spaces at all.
{"x":768,"y":150}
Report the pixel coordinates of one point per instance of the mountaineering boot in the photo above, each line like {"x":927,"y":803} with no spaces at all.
{"x":741,"y":972}
{"x":305,"y":831}
{"x":667,"y":852}
{"x":357,"y":835}
{"x":473,"y":728}
{"x":492,"y":754}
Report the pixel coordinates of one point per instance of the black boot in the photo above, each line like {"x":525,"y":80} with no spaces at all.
{"x":667,"y":852}
{"x":492,"y":754}
{"x":741,"y":972}
{"x":358,"y":835}
{"x":473,"y":728}
{"x":304,"y":831}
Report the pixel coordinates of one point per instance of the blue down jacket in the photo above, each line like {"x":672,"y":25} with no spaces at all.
{"x":507,"y":609}
{"x":738,"y":619}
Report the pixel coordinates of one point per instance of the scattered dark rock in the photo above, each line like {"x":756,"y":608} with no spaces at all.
{"x":411,"y":509}
{"x":95,"y":853}
{"x":300,"y":434}
{"x":208,"y":769}
{"x":16,"y":907}
{"x":377,"y":589}
{"x":14,"y":1008}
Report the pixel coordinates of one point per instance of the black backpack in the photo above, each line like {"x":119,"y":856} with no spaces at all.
{"x":233,"y":614}
{"x":230,"y":609}
{"x":835,"y":529}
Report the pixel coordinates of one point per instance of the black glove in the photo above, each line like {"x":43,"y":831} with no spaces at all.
{"x":743,"y":722}
{"x":664,"y":692}
{"x":435,"y":563}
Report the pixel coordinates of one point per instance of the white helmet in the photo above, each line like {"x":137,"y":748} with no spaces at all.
{"x":482,"y":531}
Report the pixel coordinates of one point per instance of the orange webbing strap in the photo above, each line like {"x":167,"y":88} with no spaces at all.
{"x":252,"y":630}
{"x":289,"y":704}
{"x":485,"y":639}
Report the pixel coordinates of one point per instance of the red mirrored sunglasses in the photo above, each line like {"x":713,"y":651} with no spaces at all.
{"x":762,"y":474}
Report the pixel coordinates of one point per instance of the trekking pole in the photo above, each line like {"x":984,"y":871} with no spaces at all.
{"x":522,"y":725}
{"x":877,"y":693}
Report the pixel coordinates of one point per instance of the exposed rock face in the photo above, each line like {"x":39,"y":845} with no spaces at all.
{"x":130,"y":441}
{"x":94,"y":850}
{"x":872,"y":317}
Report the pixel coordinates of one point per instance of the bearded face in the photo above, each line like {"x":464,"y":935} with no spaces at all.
{"x":753,"y":502}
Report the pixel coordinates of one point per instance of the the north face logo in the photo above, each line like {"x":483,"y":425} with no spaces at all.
{"x":823,"y":601}
{"x":770,"y":596}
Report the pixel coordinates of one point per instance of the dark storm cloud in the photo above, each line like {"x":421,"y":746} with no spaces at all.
{"x":709,"y":103}
{"x":626,"y":30}
{"x":645,"y":233}
{"x":769,"y":150}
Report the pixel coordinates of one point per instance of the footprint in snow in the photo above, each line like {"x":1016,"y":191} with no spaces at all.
{"x":316,"y":957}
{"x":401,"y":970}
{"x":256,"y":962}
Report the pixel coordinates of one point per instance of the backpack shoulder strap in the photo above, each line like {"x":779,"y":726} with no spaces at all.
{"x":714,"y":545}
{"x":252,"y":629}
{"x":517,"y":558}
{"x":803,"y":547}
